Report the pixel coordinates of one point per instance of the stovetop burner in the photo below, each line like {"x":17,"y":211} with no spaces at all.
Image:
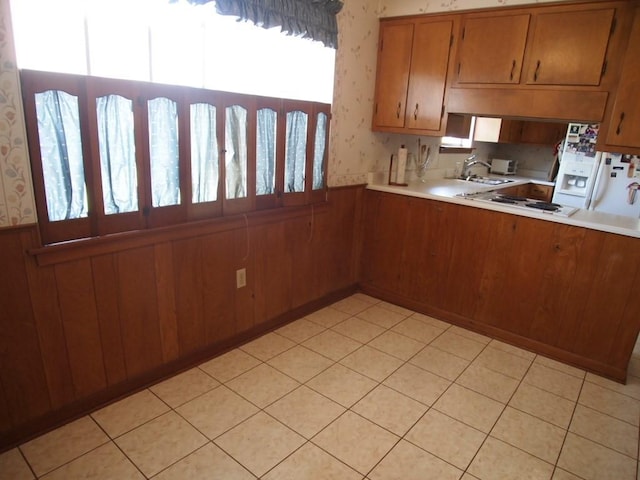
{"x":549,"y":207}
{"x":516,"y":202}
{"x":504,"y":200}
{"x":513,"y":198}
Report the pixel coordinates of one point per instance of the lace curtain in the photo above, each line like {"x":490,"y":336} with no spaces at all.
{"x":236,"y":152}
{"x":266,"y":152}
{"x":204,"y":153}
{"x":295,"y":158}
{"x":61,"y":152}
{"x":314,"y":19}
{"x":117,"y":154}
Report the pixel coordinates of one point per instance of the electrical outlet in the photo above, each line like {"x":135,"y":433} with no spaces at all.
{"x":241,"y":278}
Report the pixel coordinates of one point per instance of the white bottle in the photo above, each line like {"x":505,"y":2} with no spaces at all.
{"x":402,"y":164}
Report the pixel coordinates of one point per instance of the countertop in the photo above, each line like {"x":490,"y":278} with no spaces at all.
{"x":447,"y":190}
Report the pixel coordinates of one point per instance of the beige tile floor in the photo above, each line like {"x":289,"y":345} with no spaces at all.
{"x":359,"y":390}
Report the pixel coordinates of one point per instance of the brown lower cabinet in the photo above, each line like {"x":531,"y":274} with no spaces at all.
{"x":559,"y":290}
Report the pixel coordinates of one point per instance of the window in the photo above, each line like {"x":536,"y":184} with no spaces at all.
{"x":116,"y":155}
{"x":170,"y":43}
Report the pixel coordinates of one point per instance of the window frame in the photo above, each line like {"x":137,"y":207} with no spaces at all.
{"x":97,"y":223}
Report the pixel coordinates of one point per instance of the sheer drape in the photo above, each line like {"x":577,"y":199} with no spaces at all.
{"x":204,"y":153}
{"x":318,"y":155}
{"x":296,"y":151}
{"x":163,"y":148}
{"x":266,"y":151}
{"x":61,"y":152}
{"x":117,"y":154}
{"x":236,"y":152}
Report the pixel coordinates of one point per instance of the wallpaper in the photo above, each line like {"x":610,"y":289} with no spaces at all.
{"x":16,"y":191}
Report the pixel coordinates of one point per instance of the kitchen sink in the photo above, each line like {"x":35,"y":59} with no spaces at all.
{"x":486,"y":180}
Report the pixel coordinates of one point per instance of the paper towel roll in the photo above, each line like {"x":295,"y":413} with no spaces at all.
{"x":402,"y":164}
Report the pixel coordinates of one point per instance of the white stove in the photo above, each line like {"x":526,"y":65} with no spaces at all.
{"x":521,"y":203}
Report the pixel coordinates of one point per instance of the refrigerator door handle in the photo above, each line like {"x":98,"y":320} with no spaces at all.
{"x":595,"y":194}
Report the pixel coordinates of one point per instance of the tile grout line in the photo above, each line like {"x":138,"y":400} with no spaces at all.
{"x":350,"y":409}
{"x":566,"y":433}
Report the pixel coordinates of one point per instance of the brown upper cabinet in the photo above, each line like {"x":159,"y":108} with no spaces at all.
{"x":559,"y":62}
{"x":544,"y":46}
{"x":492,"y":49}
{"x":623,"y":128}
{"x":413,"y":62}
{"x":570,"y":48}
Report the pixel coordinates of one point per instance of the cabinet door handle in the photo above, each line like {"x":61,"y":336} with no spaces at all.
{"x":535,"y":74}
{"x":398,"y":110}
{"x":513,"y":67}
{"x":415,"y":113}
{"x":619,"y":129}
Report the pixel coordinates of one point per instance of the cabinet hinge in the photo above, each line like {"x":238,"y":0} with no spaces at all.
{"x":604,"y":69}
{"x":463,"y":32}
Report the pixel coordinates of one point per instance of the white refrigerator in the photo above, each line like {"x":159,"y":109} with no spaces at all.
{"x":616,"y":185}
{"x":578,"y":168}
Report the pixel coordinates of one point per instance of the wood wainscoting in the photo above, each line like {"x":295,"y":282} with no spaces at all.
{"x":85,"y":323}
{"x":566,"y":292}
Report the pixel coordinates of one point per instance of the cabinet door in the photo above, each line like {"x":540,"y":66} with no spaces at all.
{"x":569,"y":48}
{"x":540,"y":192}
{"x":542,"y":133}
{"x":624,"y":126}
{"x":492,"y":49}
{"x":429,"y":61}
{"x":394,"y":62}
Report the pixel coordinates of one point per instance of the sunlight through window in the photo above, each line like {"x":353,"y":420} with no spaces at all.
{"x":171,"y":43}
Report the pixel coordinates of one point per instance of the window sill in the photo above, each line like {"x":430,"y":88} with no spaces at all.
{"x":89,"y":247}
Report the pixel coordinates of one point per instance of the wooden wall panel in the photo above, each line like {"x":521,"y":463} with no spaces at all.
{"x":138,"y":306}
{"x":81,"y":328}
{"x":341,"y":240}
{"x":166,"y":294}
{"x":497,"y":272}
{"x":51,"y":336}
{"x":21,"y":370}
{"x":187,"y":269}
{"x":609,"y":296}
{"x":628,"y":328}
{"x":563,"y":256}
{"x":385,"y":226}
{"x":573,"y":310}
{"x":472,"y":234}
{"x":244,"y":257}
{"x":527,"y":264}
{"x":272,"y":270}
{"x":300,"y":234}
{"x":105,"y":281}
{"x":564,"y":291}
{"x":5,"y":417}
{"x":218,"y":287}
{"x":82,"y":325}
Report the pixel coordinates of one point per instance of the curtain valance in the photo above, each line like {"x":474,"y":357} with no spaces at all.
{"x":314,"y":19}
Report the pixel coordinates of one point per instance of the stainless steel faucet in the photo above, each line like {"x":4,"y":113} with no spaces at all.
{"x":470,"y":162}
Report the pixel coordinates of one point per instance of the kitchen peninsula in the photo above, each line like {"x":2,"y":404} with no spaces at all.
{"x":561,"y":286}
